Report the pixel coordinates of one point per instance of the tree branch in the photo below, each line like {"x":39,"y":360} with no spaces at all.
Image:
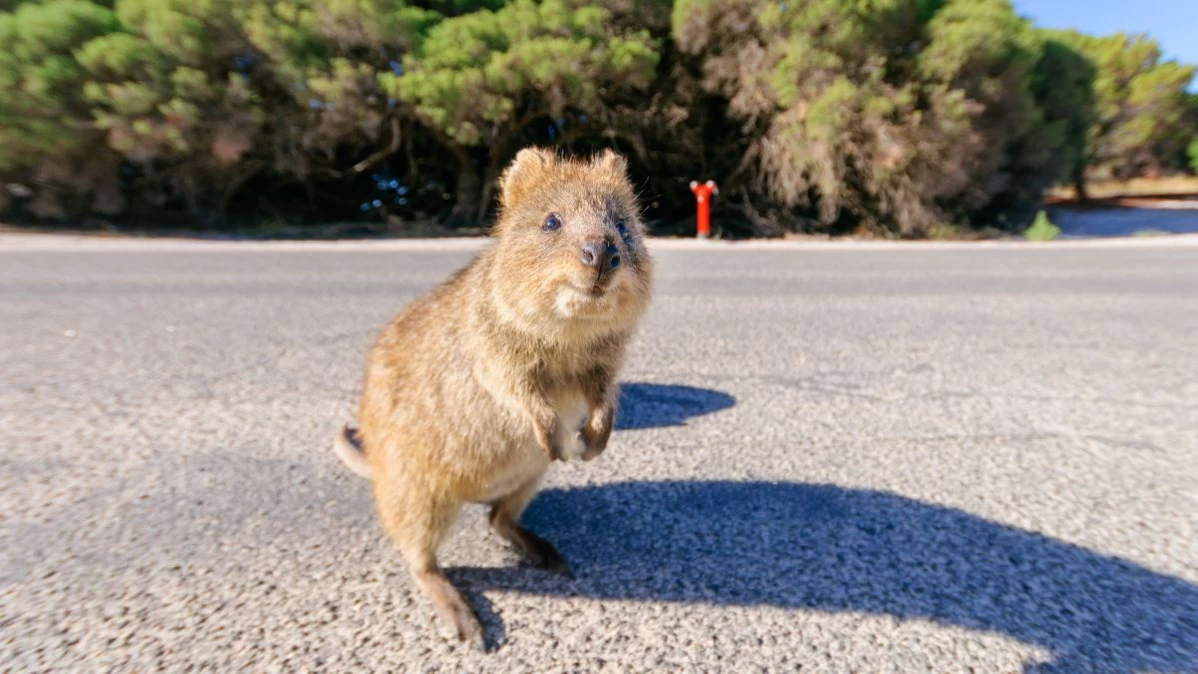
{"x":382,"y":154}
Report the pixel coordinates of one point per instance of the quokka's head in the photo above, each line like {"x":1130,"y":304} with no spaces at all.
{"x":570,"y":241}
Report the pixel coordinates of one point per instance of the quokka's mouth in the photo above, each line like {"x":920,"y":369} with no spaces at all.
{"x":594,"y":291}
{"x":595,"y":287}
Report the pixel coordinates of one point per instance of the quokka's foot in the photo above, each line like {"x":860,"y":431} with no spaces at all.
{"x":543,"y":555}
{"x":455,"y":611}
{"x":466,"y":625}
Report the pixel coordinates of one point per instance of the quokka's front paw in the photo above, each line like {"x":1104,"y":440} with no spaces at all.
{"x":593,"y":444}
{"x":551,"y":444}
{"x":560,"y":451}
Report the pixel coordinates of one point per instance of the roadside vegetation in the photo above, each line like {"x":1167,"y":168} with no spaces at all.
{"x":905,"y":118}
{"x":1099,"y":189}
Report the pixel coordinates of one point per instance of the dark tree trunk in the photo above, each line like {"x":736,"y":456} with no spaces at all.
{"x":488,"y":188}
{"x":1079,"y":184}
{"x":227,"y":191}
{"x":467,"y":192}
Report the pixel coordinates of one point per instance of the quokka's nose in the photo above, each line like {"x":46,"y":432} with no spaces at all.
{"x":600,"y":256}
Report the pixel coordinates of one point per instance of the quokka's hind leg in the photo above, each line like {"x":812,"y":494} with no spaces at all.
{"x":453,"y":608}
{"x":418,"y":526}
{"x":505,"y":519}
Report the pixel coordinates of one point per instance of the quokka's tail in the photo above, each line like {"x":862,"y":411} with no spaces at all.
{"x":349,"y":449}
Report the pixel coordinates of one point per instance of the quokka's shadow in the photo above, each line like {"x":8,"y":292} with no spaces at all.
{"x":656,"y":405}
{"x":827,"y":548}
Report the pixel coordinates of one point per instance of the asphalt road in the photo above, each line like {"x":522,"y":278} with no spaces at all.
{"x":841,"y":459}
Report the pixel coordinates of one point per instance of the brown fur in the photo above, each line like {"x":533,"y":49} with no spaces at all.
{"x":511,"y":363}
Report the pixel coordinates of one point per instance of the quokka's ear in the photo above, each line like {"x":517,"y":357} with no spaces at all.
{"x":525,"y":170}
{"x":611,"y":161}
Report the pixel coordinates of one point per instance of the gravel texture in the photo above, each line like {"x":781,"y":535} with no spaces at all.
{"x":831,"y":459}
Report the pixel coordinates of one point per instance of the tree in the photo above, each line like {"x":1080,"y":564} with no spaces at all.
{"x":1140,"y":103}
{"x":887,"y":114}
{"x":1191,"y":128}
{"x":207,"y":95}
{"x":1064,"y":88}
{"x":45,"y":139}
{"x":893,"y":116}
{"x":477,"y":80}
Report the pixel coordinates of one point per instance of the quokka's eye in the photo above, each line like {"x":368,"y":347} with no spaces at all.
{"x":552,"y":223}
{"x":623,"y":229}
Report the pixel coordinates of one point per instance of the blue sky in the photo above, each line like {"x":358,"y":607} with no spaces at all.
{"x":1174,"y":23}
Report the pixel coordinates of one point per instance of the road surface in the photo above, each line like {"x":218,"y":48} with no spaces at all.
{"x":842,"y":458}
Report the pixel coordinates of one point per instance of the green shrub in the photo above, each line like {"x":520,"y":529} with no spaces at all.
{"x":1042,"y":229}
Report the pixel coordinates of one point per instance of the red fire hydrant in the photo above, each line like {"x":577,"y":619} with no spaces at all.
{"x":703,"y":194}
